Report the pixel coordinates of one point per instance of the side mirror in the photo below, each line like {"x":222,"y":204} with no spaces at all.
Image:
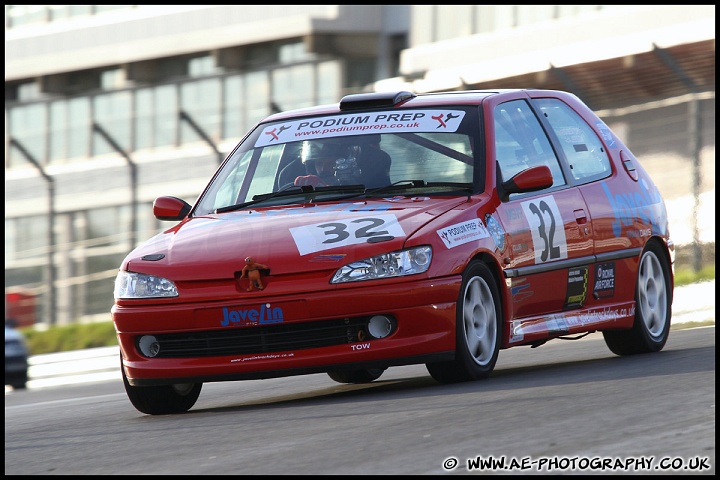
{"x":529,"y":180}
{"x":170,"y":208}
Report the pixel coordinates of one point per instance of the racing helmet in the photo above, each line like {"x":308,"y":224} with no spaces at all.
{"x":342,"y":151}
{"x":314,"y":150}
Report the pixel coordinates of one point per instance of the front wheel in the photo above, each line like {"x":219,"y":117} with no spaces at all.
{"x":478,"y":326}
{"x":653,"y":308}
{"x":162,"y":399}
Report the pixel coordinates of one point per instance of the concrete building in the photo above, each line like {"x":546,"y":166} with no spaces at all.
{"x":109,"y":106}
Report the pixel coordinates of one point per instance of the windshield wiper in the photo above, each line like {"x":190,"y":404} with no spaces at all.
{"x":287,"y":191}
{"x":349,"y":191}
{"x":413,"y":184}
{"x":306,"y":190}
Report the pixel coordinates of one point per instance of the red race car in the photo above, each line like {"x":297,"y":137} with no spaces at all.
{"x":393,"y":229}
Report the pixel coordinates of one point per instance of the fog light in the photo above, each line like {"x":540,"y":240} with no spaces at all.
{"x":149,"y":346}
{"x":380,"y":326}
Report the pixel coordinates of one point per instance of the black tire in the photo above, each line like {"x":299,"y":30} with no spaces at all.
{"x":19,"y":384}
{"x":365,"y":375}
{"x":653,"y":308}
{"x":478,"y":329}
{"x":162,"y":399}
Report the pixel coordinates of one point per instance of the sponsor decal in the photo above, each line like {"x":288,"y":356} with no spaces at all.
{"x":604,"y":285}
{"x":496,"y":230}
{"x":646,"y":206}
{"x":576,"y":287}
{"x":516,"y":331}
{"x":264,"y":315}
{"x":521,"y":292}
{"x":514,"y":214}
{"x":602,"y":314}
{"x":519,"y":248}
{"x":570,"y":135}
{"x":341,"y":233}
{"x":567,"y":320}
{"x":606,"y":133}
{"x":556,"y":324}
{"x":361,"y":124}
{"x":265,"y":356}
{"x":463,"y":232}
{"x":400,"y":198}
{"x":328,"y":258}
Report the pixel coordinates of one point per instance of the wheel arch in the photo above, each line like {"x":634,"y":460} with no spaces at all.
{"x":506,"y":305}
{"x":667,"y":248}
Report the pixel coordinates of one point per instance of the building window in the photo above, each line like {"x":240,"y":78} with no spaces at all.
{"x":27,"y":126}
{"x":293,"y":53}
{"x":143,"y":122}
{"x":19,"y":15}
{"x":112,"y":114}
{"x":31,"y":237}
{"x":166,"y":115}
{"x":112,"y":79}
{"x":329,"y":82}
{"x":201,"y":100}
{"x":59,"y":131}
{"x":258,"y":96}
{"x":292,"y":87}
{"x":201,"y":66}
{"x":454,"y":21}
{"x":79,"y":127}
{"x":233,"y":108}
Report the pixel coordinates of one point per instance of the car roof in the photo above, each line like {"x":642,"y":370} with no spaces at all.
{"x":402,"y":100}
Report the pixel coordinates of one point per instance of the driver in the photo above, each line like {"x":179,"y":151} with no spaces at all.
{"x":328,"y":162}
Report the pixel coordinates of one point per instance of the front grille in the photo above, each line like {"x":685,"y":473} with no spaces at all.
{"x":261,"y":339}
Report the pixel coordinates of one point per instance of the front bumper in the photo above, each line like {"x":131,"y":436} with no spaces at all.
{"x":246,"y":333}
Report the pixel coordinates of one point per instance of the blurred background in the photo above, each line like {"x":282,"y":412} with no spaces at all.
{"x":109,"y":106}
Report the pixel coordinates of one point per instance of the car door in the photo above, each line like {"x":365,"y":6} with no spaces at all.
{"x":618,"y":204}
{"x":549,"y":232}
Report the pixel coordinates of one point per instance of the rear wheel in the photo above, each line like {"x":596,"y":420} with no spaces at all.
{"x":478,"y":329}
{"x":365,"y":375}
{"x":653,"y":301}
{"x":162,"y":399}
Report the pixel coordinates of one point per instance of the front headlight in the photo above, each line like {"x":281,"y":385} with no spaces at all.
{"x":393,"y":264}
{"x":139,"y":285}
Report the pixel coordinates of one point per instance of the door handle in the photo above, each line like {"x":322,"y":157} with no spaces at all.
{"x":580,"y":216}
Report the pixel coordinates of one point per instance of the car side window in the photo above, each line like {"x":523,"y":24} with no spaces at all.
{"x":521,"y":142}
{"x":582,"y":147}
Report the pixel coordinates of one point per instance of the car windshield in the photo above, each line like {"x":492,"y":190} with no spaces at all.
{"x":416,"y":152}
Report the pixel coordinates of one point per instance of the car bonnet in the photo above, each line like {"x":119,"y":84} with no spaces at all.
{"x":286,"y":239}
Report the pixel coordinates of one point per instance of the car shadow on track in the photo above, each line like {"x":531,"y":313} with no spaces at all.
{"x":555,"y":374}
